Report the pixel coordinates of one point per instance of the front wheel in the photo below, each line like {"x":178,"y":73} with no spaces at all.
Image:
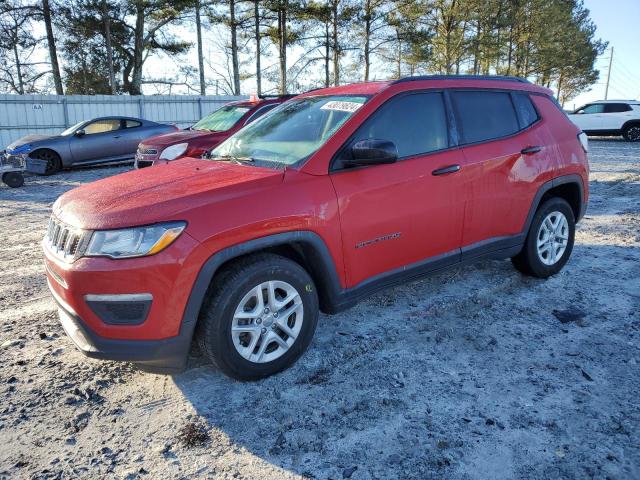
{"x":550,"y":240}
{"x":54,"y":163}
{"x":632,"y":133}
{"x":260,"y":317}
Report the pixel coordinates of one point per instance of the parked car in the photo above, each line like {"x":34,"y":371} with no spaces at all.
{"x":101,"y":140}
{"x":207,"y":133}
{"x":335,"y":195}
{"x":610,"y":118}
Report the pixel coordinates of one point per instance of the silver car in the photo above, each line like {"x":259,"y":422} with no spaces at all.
{"x":101,"y":140}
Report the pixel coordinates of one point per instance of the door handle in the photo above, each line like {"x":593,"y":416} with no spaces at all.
{"x":530,"y":150}
{"x":446,"y":170}
{"x":116,"y":136}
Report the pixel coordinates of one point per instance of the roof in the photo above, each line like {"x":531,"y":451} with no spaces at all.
{"x":615,"y":101}
{"x":372,"y":88}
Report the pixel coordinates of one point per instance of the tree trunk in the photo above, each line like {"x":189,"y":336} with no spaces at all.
{"x":367,"y":39}
{"x":282,"y":31}
{"x":18,"y":69}
{"x":327,"y":42}
{"x":107,"y":35}
{"x":234,"y":47}
{"x":256,"y":13}
{"x":399,"y":71}
{"x":336,"y":50}
{"x":203,"y":87}
{"x":51,"y":42}
{"x":135,"y":87}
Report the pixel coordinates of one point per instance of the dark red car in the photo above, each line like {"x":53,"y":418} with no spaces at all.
{"x":207,"y":133}
{"x":339,"y":193}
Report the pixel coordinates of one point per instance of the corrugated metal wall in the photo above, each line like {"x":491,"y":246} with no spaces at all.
{"x":22,"y":115}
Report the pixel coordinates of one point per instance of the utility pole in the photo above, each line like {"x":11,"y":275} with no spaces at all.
{"x":606,"y":90}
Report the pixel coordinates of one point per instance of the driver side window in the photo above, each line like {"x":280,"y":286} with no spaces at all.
{"x":416,"y":123}
{"x":593,"y":108}
{"x":102,"y":126}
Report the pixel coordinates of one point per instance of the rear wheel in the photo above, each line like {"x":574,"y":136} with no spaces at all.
{"x":550,"y":240}
{"x":261,"y":316}
{"x":13,"y":179}
{"x":632,"y":133}
{"x":54,"y":163}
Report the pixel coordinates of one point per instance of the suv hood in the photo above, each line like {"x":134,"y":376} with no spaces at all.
{"x":181,"y":136}
{"x":152,"y":195}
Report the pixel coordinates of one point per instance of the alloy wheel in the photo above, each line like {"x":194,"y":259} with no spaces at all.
{"x":553,"y":237}
{"x":633,"y":134}
{"x":267,"y":321}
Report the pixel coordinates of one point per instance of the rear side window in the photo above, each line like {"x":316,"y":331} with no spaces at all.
{"x":484,"y":115}
{"x":524,"y":108}
{"x":132,"y":124}
{"x":593,"y":108}
{"x":416,"y":123}
{"x":616,"y":107}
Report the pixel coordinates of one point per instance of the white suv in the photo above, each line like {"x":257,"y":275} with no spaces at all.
{"x":610,"y":117}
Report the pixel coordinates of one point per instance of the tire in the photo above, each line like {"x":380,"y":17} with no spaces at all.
{"x":54,"y":163}
{"x":550,"y":257}
{"x":632,"y":133}
{"x":13,"y":179}
{"x":232,"y":292}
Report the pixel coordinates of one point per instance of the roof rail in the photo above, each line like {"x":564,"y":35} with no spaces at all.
{"x":462,"y":77}
{"x":267,"y":97}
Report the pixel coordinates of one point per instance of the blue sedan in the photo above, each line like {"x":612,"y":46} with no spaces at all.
{"x":101,"y":140}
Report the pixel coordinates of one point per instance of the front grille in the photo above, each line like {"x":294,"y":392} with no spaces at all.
{"x":147,"y":151}
{"x":144,"y":163}
{"x":11,"y":161}
{"x":63,"y":241}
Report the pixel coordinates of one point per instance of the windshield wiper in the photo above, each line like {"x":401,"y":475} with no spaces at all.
{"x":231,"y":158}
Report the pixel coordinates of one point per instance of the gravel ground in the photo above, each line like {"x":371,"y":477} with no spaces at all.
{"x":471,"y":374}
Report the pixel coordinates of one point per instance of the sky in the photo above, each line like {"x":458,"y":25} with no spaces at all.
{"x":618,"y":22}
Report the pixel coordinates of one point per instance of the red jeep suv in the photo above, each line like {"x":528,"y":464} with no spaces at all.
{"x":338,"y":193}
{"x":207,"y":133}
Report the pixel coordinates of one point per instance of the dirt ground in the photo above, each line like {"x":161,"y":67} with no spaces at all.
{"x":476,"y":373}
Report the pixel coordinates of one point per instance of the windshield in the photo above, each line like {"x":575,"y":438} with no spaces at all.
{"x":291,"y":132}
{"x":70,"y":130}
{"x":222,"y":119}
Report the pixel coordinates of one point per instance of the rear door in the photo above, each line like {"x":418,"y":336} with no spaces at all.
{"x":130,"y":135}
{"x":100,"y":141}
{"x":615,"y":115}
{"x":504,"y":155}
{"x":400,"y":214}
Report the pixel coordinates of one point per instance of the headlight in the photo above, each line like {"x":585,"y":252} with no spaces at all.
{"x":134,"y":242}
{"x":174,"y":151}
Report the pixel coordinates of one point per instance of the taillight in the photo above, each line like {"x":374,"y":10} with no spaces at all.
{"x":584,"y":141}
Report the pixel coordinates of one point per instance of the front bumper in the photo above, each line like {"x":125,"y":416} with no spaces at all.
{"x":157,"y":356}
{"x":149,"y":329}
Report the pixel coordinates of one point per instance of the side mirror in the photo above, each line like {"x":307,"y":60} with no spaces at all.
{"x":373,"y":151}
{"x":80,"y":133}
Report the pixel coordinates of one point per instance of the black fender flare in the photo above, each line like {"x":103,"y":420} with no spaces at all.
{"x":316,"y":254}
{"x":562,"y":180}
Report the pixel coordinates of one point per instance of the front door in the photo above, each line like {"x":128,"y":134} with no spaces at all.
{"x":590,"y":117}
{"x":99,"y":141}
{"x":401,"y":214}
